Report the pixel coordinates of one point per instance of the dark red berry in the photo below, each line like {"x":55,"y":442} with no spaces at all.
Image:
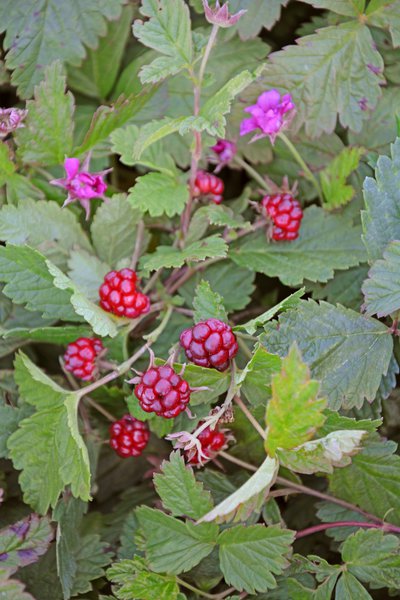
{"x":129,"y":436}
{"x":207,"y":184}
{"x":212,"y":441}
{"x":80,"y":357}
{"x":118,"y":295}
{"x":210,"y":344}
{"x":162,"y":391}
{"x":285,"y":213}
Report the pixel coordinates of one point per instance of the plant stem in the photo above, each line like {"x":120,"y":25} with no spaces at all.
{"x":100,"y":409}
{"x":252,"y":172}
{"x":307,"y":173}
{"x":195,"y":590}
{"x":190,"y":271}
{"x":237,"y":461}
{"x":250,"y":417}
{"x":138,"y":244}
{"x":324,"y":526}
{"x":244,"y":347}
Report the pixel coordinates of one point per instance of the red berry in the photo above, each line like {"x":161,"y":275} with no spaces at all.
{"x":211,"y":440}
{"x":129,"y":436}
{"x":286,"y":215}
{"x":207,"y":184}
{"x":118,"y":295}
{"x":162,"y":391}
{"x":80,"y":357}
{"x":210,"y":344}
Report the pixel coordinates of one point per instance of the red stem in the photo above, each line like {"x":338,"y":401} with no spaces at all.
{"x":324,"y":526}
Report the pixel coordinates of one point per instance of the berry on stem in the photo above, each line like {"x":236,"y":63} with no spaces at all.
{"x":118,"y":295}
{"x":207,"y":184}
{"x":129,"y":436}
{"x":211,"y":344}
{"x":80,"y":357}
{"x":285,"y":213}
{"x":211,"y":441}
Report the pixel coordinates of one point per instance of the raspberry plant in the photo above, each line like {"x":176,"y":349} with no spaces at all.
{"x":200,"y":300}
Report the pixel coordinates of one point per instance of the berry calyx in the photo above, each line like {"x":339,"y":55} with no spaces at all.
{"x":80,"y":357}
{"x":207,"y":184}
{"x":118,"y":295}
{"x":129,"y":436}
{"x":162,"y":391}
{"x":211,"y":344}
{"x":285,"y":213}
{"x":211,"y":441}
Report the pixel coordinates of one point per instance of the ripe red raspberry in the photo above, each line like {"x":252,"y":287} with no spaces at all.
{"x":80,"y":357}
{"x":118,"y":295}
{"x":128,"y":436}
{"x":210,"y":344}
{"x":207,"y":184}
{"x":162,"y":391}
{"x":211,"y":440}
{"x":286,"y":215}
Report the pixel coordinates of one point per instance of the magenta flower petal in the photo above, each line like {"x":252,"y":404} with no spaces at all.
{"x":268,"y":115}
{"x":220,"y":14}
{"x":269,"y":100}
{"x":248,"y":125}
{"x":71,"y":166}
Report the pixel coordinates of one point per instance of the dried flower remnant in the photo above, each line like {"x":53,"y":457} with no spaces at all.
{"x":270,"y":114}
{"x":81,"y":185}
{"x":220,"y":14}
{"x":10,"y":120}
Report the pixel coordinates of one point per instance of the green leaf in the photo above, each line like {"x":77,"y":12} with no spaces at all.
{"x":134,"y":580}
{"x":179,"y":491}
{"x":24,"y":542}
{"x":7,"y":167}
{"x":257,"y":16}
{"x":233,"y":283}
{"x":158,"y":194}
{"x":107,"y":119}
{"x":91,"y":557}
{"x":208,"y":304}
{"x":251,"y":556}
{"x":47,"y":136}
{"x":168,"y":256}
{"x":385,"y":14}
{"x":382,"y":288}
{"x":348,"y":587}
{"x":333,"y":178}
{"x":171,"y":547}
{"x":294,"y":412}
{"x":322,"y":72}
{"x":49,"y":335}
{"x":216,"y":382}
{"x":151,"y":133}
{"x":344,"y":288}
{"x":349,"y":8}
{"x":326,"y":242}
{"x":376,"y":467}
{"x":29,"y":283}
{"x":381,"y":219}
{"x":45,"y":226}
{"x":87,"y":272}
{"x":60,"y":456}
{"x":222,"y":216}
{"x":288,"y":303}
{"x":321,"y":455}
{"x":96,"y":76}
{"x":11,"y":588}
{"x":100,"y":321}
{"x":248,"y":498}
{"x":373,"y":558}
{"x":9,"y":419}
{"x":346,"y":351}
{"x":168,"y":31}
{"x":39,"y":32}
{"x":256,"y":376}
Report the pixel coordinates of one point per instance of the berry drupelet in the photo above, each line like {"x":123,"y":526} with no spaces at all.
{"x":80,"y":357}
{"x":118,"y":295}
{"x":285,"y":213}
{"x":211,"y":343}
{"x":162,"y":391}
{"x":212,"y":441}
{"x":129,"y":436}
{"x":207,"y":184}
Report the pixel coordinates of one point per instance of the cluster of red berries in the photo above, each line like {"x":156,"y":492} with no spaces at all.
{"x":118,"y":295}
{"x":80,"y":357}
{"x":211,"y":441}
{"x":129,"y":436}
{"x":285,"y":213}
{"x":207,"y":184}
{"x":211,"y":344}
{"x":162,"y":391}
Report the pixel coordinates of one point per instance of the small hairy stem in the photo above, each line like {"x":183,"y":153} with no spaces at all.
{"x":253,"y":173}
{"x":307,"y":173}
{"x":207,"y":51}
{"x":250,"y":417}
{"x":195,"y":590}
{"x":100,"y":409}
{"x":244,"y":347}
{"x":237,"y":461}
{"x":324,"y":526}
{"x":189,"y":272}
{"x":138,"y":244}
{"x":152,"y":281}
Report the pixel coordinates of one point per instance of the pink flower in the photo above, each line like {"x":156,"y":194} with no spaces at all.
{"x":225,"y":150}
{"x":81,"y":185}
{"x":220,"y":14}
{"x":10,"y":120}
{"x":269,"y":114}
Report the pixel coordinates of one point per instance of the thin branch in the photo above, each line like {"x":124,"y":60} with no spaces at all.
{"x":250,"y":417}
{"x":324,"y":526}
{"x":138,"y":244}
